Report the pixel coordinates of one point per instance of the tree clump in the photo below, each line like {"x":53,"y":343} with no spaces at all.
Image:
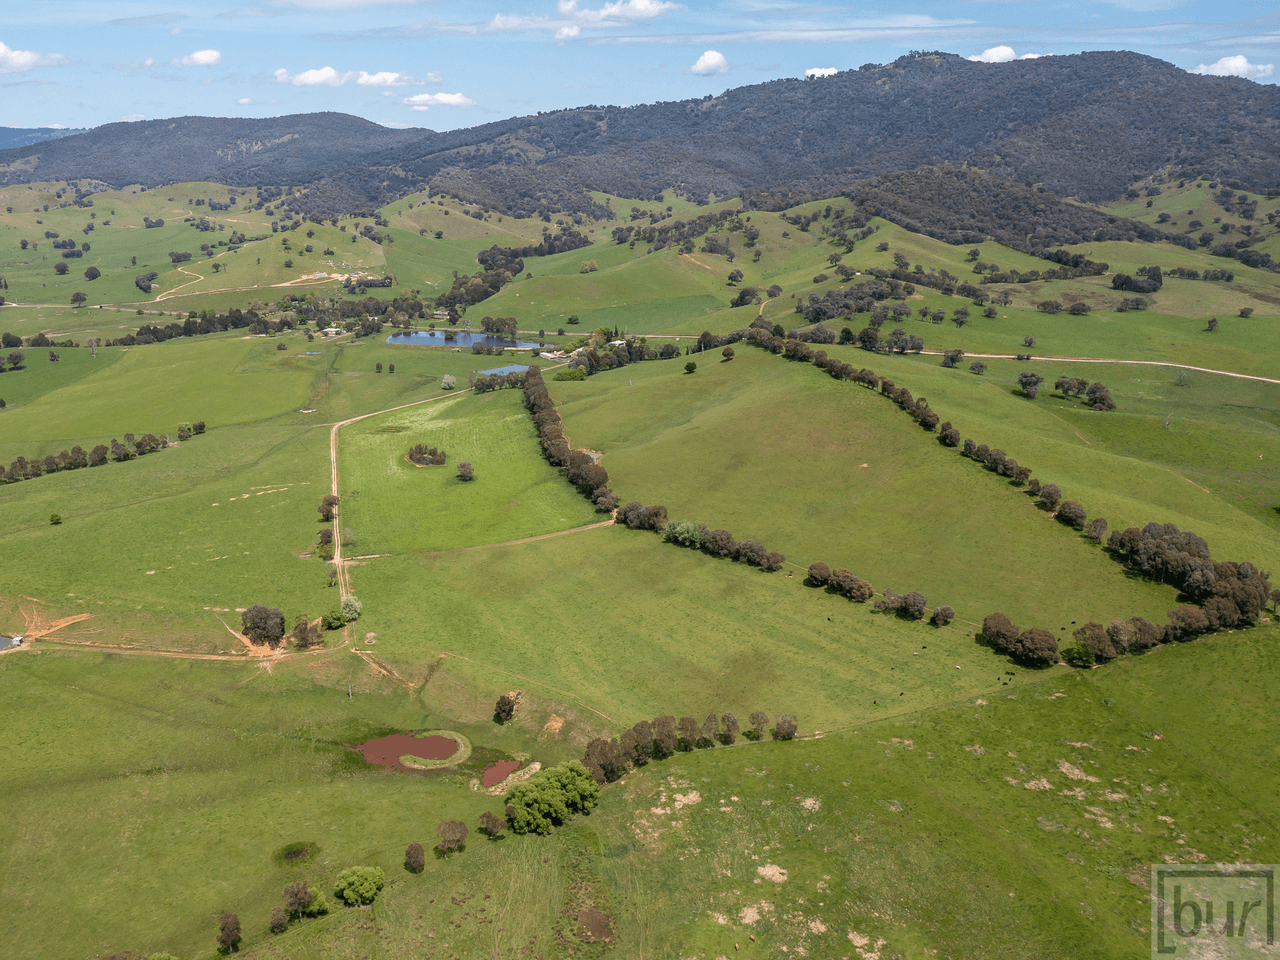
{"x":551,"y":797}
{"x":359,"y":886}
{"x":262,"y":624}
{"x":415,"y":858}
{"x":425,"y":456}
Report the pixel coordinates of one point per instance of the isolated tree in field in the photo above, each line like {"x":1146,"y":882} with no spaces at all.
{"x":952,"y":357}
{"x":689,"y":732}
{"x":735,"y":276}
{"x":729,"y":728}
{"x":1212,"y":326}
{"x":263,"y":624}
{"x":351,"y":608}
{"x":377,"y":367}
{"x":492,"y":825}
{"x":505,"y":709}
{"x":60,"y":268}
{"x":1029,"y":384}
{"x":78,"y":298}
{"x":978,"y":367}
{"x":229,"y":933}
{"x":328,"y":506}
{"x":942,"y":616}
{"x":1028,"y":341}
{"x":415,"y":858}
{"x":785,"y":728}
{"x":690,"y":367}
{"x":759,"y":721}
{"x":727,"y":353}
{"x":93,"y":273}
{"x":465,"y":473}
{"x":359,"y":886}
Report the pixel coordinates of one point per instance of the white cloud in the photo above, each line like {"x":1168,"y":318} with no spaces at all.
{"x":20,"y":61}
{"x":329,"y":77}
{"x":1031,"y":56}
{"x":394,"y":124}
{"x":568,"y":32}
{"x":132,"y":118}
{"x":175,"y":31}
{"x":325,"y":76}
{"x":202,"y":58}
{"x":709,"y":63}
{"x":1000,"y":54}
{"x":1237,"y":66}
{"x":619,"y":10}
{"x":245,"y":101}
{"x":820,"y":72}
{"x":425,"y":101}
{"x":384,"y":78}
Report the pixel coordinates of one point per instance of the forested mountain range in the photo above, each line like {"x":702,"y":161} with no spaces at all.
{"x":1084,"y":126}
{"x":11,"y":137}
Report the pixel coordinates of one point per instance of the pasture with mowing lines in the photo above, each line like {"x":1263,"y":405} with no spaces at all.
{"x":820,"y":470}
{"x":981,"y":811}
{"x":390,"y":505}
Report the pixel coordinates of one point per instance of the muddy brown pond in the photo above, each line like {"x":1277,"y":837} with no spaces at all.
{"x":495,"y":773}
{"x":387,"y":751}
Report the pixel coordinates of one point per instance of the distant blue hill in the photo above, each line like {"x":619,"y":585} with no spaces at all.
{"x":11,"y":137}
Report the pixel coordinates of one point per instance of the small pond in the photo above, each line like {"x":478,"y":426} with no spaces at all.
{"x":495,"y":773}
{"x":509,"y":368}
{"x":461,"y":338}
{"x":387,"y":751}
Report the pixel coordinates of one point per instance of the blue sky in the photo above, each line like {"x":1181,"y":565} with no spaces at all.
{"x":445,"y":64}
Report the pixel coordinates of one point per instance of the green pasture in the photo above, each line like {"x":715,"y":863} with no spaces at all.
{"x":393,"y":506}
{"x":624,"y":627}
{"x":986,"y":826}
{"x":163,"y":550}
{"x":819,"y":470}
{"x":149,"y":795}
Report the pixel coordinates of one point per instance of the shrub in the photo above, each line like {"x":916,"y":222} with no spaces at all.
{"x":447,"y":382}
{"x":942,"y":616}
{"x":333,"y":621}
{"x":358,"y":886}
{"x":549,"y":798}
{"x":351,"y":608}
{"x":465,"y":473}
{"x":577,"y":373}
{"x":279,"y":922}
{"x":1078,"y":655}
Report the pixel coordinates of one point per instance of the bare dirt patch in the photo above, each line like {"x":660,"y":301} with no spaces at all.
{"x":595,"y":926}
{"x":554,"y":724}
{"x":772,"y":872}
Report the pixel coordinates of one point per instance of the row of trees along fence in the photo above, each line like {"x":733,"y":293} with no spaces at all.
{"x":607,"y":758}
{"x":76,"y":458}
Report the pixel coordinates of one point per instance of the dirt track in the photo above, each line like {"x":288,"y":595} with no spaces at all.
{"x":1141,"y":363}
